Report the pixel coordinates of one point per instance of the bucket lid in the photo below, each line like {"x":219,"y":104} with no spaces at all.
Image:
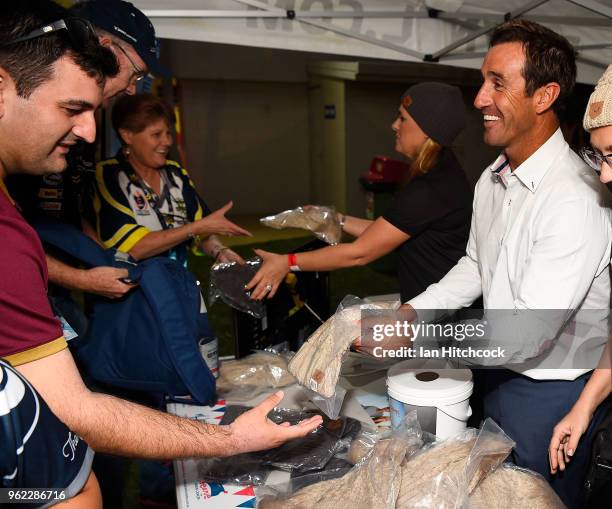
{"x":428,"y":387}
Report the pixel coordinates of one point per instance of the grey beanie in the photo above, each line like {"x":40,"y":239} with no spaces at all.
{"x":437,"y":108}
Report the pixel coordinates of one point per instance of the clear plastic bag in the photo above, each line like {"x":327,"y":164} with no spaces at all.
{"x":322,"y":221}
{"x":260,"y":369}
{"x":317,"y":364}
{"x":511,"y":487}
{"x":316,"y":450}
{"x":227,"y":281}
{"x":445,"y":473}
{"x":329,"y":406}
{"x":333,"y":470}
{"x":242,"y":394}
{"x":242,"y":469}
{"x":373,"y":482}
{"x":490,"y":450}
{"x":362,"y":445}
{"x":300,"y":456}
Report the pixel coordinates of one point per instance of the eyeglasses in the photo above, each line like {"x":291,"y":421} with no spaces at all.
{"x":137,"y":72}
{"x":80,"y":31}
{"x":595,"y":159}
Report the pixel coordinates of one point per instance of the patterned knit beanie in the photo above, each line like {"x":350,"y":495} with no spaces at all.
{"x":599,"y":109}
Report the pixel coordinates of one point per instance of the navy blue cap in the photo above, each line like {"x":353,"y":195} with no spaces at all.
{"x":126,"y":22}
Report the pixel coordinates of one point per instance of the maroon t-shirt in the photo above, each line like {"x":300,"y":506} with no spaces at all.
{"x":26,"y":320}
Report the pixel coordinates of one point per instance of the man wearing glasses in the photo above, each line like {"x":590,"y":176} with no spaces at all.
{"x":52,"y":72}
{"x":129,"y":34}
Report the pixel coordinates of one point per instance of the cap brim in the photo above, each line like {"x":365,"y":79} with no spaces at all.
{"x":156,"y":68}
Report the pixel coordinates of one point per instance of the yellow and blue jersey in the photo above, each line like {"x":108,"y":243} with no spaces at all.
{"x":126,"y":209}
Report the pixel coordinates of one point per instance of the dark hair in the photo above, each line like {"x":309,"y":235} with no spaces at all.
{"x":30,"y":63}
{"x":136,"y":112}
{"x":549,"y":57}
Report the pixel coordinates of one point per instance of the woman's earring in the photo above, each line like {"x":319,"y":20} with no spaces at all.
{"x":126,"y":150}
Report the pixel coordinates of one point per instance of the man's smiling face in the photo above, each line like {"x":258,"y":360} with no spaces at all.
{"x":38,"y":132}
{"x":508,"y":113}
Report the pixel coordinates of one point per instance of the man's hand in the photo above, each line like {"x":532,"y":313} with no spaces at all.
{"x":268,"y":278}
{"x":216,"y":222}
{"x":253,"y":431}
{"x":227,"y":255}
{"x":565,"y":438}
{"x":372,"y":327}
{"x":106,"y":281}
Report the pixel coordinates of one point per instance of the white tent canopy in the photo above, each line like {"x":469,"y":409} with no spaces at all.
{"x":453,"y":32}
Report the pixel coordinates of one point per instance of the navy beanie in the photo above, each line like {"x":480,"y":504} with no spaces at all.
{"x":437,"y":108}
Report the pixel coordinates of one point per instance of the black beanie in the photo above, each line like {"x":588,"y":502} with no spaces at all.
{"x":437,"y":108}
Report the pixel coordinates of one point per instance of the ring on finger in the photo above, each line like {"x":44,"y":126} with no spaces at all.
{"x":268,"y":287}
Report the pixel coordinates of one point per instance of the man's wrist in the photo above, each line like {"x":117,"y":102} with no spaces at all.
{"x":84,"y":280}
{"x":232,"y":441}
{"x":217,"y":250}
{"x":190,"y":233}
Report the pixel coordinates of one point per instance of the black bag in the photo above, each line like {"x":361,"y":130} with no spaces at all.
{"x":599,"y":478}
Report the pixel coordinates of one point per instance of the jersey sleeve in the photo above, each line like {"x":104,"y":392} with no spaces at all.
{"x":28,"y":328}
{"x":38,"y":450}
{"x":116,"y":223}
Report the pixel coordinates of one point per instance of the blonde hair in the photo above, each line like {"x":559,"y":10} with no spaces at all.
{"x":425,"y":160}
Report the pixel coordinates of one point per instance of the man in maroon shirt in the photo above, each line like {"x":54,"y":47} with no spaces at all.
{"x":49,"y":91}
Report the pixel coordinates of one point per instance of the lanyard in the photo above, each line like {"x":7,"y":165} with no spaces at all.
{"x":156,"y":201}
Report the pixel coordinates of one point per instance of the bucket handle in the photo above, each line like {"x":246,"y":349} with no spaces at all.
{"x":455,"y":414}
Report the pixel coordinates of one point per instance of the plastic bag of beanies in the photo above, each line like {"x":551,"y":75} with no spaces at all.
{"x":322,"y":221}
{"x":260,"y":369}
{"x":227,"y":282}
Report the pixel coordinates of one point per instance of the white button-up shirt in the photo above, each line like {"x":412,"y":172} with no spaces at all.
{"x":540,"y":239}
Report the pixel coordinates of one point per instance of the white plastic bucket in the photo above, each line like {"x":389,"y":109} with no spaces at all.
{"x":209,"y":349}
{"x":441,"y":397}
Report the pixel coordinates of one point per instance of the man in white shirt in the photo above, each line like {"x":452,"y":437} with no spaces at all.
{"x":540,"y":240}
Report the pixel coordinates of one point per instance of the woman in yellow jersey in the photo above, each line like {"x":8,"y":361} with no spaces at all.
{"x":146,"y":204}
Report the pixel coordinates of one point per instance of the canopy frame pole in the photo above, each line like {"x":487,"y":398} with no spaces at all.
{"x":540,"y":18}
{"x":480,"y":54}
{"x":282,"y":13}
{"x":326,"y":26}
{"x":594,"y":63}
{"x":435,"y":57}
{"x":468,"y":20}
{"x":592,"y":6}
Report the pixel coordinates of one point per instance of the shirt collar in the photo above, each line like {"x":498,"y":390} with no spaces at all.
{"x":4,"y":190}
{"x":531,"y":172}
{"x":500,"y":168}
